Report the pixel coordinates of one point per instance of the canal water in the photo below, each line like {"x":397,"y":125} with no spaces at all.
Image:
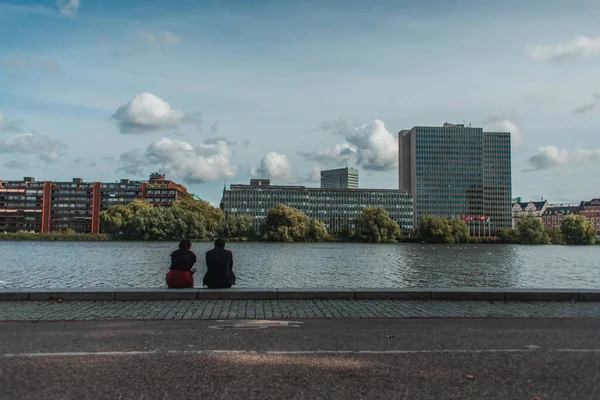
{"x":144,"y":264}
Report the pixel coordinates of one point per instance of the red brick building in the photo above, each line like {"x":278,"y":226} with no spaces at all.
{"x":591,"y":211}
{"x":554,"y":215}
{"x":30,"y":206}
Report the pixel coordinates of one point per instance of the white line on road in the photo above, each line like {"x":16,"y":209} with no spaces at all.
{"x":285,"y":352}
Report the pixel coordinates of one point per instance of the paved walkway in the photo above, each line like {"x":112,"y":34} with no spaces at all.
{"x":286,"y":309}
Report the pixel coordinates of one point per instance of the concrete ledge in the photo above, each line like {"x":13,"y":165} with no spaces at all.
{"x":148,"y":294}
{"x":71,"y":294}
{"x":391,"y":294}
{"x":238,"y":294}
{"x":14,"y":294}
{"x":468,"y":294}
{"x":589,"y":295}
{"x":156,"y":294}
{"x":315,"y":294}
{"x":542,"y":294}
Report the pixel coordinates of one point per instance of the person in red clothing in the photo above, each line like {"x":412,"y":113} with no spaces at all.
{"x":181,"y":273}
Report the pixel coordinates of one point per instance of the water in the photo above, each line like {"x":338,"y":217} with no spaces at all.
{"x":143,"y":264}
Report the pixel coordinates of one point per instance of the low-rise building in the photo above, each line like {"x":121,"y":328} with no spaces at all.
{"x":591,"y":211}
{"x":336,"y":208}
{"x":529,"y":208}
{"x":553,"y":215}
{"x":30,"y":206}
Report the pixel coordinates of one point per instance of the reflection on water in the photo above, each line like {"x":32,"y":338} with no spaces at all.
{"x":136,"y":264}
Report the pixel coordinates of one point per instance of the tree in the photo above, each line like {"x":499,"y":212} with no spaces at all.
{"x":433,"y":229}
{"x":375,"y":225}
{"x":556,"y":236}
{"x":318,"y":231}
{"x":213,"y":217}
{"x":508,"y":236}
{"x":578,"y":230}
{"x":532,"y":231}
{"x":460,"y":230}
{"x":236,"y":226}
{"x":286,"y":224}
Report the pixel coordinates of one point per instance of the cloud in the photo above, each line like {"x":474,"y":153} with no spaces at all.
{"x":246,"y":142}
{"x":214,"y":127}
{"x":149,"y":113}
{"x":314,"y":176}
{"x":337,"y":155}
{"x":371,"y":145}
{"x":49,"y":158}
{"x":182,"y":160}
{"x":78,"y":160}
{"x":217,"y":140}
{"x":590,"y":106}
{"x":274,"y":166}
{"x":551,"y":157}
{"x":68,"y":8}
{"x":16,"y":164}
{"x":161,"y":38}
{"x":578,"y":48}
{"x":10,"y":126}
{"x":498,"y":124}
{"x":31,"y":143}
{"x":21,"y":63}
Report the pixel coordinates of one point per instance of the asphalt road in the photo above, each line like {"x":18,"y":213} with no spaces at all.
{"x":316,"y":359}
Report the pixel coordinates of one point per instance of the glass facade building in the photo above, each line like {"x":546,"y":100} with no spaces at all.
{"x":336,"y":208}
{"x":458,"y":171}
{"x":341,"y":178}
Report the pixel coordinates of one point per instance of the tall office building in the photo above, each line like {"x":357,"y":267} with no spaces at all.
{"x":341,"y":178}
{"x":458,"y":171}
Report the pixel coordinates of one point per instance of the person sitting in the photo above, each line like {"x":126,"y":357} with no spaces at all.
{"x":219,"y":263}
{"x":181,"y":273}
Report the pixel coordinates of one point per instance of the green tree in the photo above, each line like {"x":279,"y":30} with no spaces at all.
{"x":433,"y":229}
{"x":508,"y":236}
{"x":236,"y":226}
{"x":375,"y":225}
{"x":460,"y":230}
{"x":318,"y":231}
{"x":286,"y":224}
{"x":213,"y":217}
{"x":578,"y":230}
{"x":532,"y":231}
{"x":556,"y":236}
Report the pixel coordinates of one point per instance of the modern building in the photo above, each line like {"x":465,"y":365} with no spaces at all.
{"x":531,"y":208}
{"x":553,"y":216}
{"x":341,"y":178}
{"x":458,"y":171}
{"x":336,"y":208}
{"x":30,"y":206}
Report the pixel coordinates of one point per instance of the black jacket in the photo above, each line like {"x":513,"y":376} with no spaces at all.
{"x":219,"y":264}
{"x":182,"y":260}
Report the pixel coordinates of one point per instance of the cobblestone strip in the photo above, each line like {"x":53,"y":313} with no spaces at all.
{"x":286,"y":309}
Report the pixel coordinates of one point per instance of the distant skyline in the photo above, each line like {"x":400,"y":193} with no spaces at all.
{"x":208,"y":91}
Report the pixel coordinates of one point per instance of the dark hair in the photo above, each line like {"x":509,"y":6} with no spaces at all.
{"x":185,"y":244}
{"x":220,"y":243}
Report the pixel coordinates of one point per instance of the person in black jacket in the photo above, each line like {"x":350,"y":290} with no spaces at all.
{"x":219,"y":263}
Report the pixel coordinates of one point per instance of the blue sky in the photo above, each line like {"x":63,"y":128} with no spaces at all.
{"x":209,"y":91}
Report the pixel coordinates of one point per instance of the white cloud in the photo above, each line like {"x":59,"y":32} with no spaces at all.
{"x":497,"y":124}
{"x":68,"y":8}
{"x":276,"y":167}
{"x":551,"y":157}
{"x":371,"y":145}
{"x":9,"y":126}
{"x":315,"y":175}
{"x":149,"y":113}
{"x":337,"y":155}
{"x":46,"y":148}
{"x":182,"y":160}
{"x":590,"y":106}
{"x":49,"y":158}
{"x":16,"y":164}
{"x":578,"y":48}
{"x":162,"y":38}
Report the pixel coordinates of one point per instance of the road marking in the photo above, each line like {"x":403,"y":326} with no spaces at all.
{"x":285,"y":352}
{"x":254,"y":324}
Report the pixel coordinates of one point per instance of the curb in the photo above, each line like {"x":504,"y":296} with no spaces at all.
{"x":149,"y":294}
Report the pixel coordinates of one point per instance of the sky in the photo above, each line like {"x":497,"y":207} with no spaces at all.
{"x":215,"y":92}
